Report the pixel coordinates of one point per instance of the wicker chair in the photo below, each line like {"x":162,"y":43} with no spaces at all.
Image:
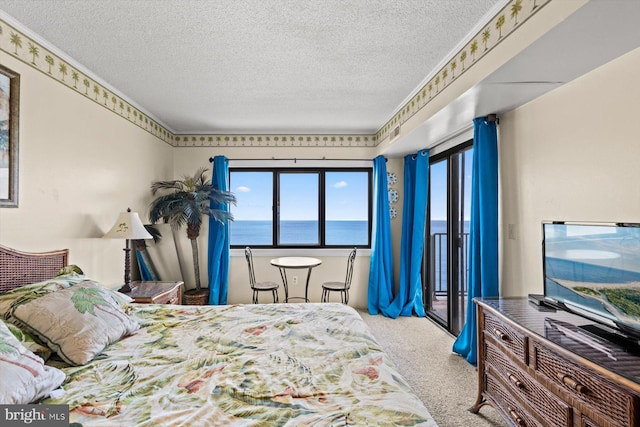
{"x":342,"y":287}
{"x":259,"y":286}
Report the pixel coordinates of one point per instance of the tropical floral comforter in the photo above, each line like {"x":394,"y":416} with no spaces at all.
{"x":244,"y":365}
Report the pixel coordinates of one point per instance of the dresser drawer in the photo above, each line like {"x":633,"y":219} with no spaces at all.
{"x":509,"y":337}
{"x":548,"y":406}
{"x":612,"y":403}
{"x":587,"y":422}
{"x":506,"y":403}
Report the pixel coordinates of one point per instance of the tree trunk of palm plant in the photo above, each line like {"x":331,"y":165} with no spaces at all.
{"x":193,"y":231}
{"x":196,"y":262}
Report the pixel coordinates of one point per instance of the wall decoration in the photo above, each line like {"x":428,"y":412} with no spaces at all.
{"x":9,"y":116}
{"x":391,"y":178}
{"x":275,"y":140}
{"x":393,"y":196}
{"x":393,"y":213}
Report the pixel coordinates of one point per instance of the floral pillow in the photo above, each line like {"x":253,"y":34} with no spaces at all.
{"x":30,"y":343}
{"x":67,"y":276}
{"x":70,"y":270}
{"x":77,"y":322}
{"x":25,"y":377}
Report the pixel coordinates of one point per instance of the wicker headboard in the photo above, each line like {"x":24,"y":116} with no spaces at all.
{"x":21,"y":268}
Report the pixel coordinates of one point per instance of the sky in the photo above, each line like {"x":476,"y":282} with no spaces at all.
{"x":346,"y":196}
{"x":438,"y":186}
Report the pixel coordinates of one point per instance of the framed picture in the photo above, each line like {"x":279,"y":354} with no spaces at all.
{"x":9,"y":115}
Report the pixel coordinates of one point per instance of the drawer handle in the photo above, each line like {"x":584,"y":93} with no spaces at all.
{"x":516,"y":418}
{"x":516,"y":381}
{"x":572,"y":384}
{"x":500,"y":334}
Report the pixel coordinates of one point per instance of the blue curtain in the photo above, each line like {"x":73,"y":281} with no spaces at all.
{"x":483,"y":232}
{"x":380,"y":291}
{"x":414,"y":214}
{"x":219,"y":238}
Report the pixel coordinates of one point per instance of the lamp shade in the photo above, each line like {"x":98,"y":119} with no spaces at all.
{"x":128,"y":226}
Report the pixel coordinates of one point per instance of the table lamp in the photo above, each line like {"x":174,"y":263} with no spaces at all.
{"x":129,"y":227}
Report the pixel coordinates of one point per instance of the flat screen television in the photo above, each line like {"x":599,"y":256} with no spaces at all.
{"x":593,"y":270}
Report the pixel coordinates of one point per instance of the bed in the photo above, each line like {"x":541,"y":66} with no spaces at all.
{"x":310,"y":364}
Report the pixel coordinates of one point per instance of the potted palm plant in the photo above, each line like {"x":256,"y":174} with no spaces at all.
{"x":187,"y":201}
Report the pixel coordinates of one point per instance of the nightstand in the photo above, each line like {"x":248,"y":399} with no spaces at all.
{"x":156,"y":292}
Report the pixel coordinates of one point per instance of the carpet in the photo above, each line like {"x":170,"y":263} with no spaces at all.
{"x":443,"y":380}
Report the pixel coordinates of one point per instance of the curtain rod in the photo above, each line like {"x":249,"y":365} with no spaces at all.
{"x":295,"y":159}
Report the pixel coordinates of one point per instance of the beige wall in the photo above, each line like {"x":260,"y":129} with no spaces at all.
{"x":79,"y":166}
{"x":569,"y":155}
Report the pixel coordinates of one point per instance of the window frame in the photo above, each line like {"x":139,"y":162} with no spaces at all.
{"x":452,"y":323}
{"x":275,"y":211}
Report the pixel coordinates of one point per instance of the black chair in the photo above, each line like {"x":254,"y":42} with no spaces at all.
{"x":342,"y":287}
{"x":259,"y":286}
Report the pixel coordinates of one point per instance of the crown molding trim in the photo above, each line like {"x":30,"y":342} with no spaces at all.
{"x":17,"y":41}
{"x":22,"y":44}
{"x":519,"y":11}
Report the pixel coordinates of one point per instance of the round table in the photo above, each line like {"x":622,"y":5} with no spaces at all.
{"x":295,"y":262}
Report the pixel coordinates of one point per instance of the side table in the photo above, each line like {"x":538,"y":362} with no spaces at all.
{"x":295,"y":262}
{"x":156,"y":292}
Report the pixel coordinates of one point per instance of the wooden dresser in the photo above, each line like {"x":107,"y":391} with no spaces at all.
{"x":538,"y":367}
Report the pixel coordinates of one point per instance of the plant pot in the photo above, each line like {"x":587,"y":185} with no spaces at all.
{"x":195,"y":297}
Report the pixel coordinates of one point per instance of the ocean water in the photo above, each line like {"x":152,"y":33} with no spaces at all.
{"x":438,"y":245}
{"x":347,"y":233}
{"x":255,"y":233}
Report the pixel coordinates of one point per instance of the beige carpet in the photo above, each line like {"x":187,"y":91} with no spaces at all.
{"x":445,"y":382}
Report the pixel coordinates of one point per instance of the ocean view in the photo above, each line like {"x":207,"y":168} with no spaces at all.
{"x":256,"y":233}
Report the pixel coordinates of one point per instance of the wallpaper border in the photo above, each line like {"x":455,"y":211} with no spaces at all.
{"x":275,"y":140}
{"x":519,"y":12}
{"x":24,"y":48}
{"x":29,"y":51}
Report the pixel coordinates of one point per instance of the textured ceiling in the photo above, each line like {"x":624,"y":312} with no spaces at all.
{"x":258,"y":66}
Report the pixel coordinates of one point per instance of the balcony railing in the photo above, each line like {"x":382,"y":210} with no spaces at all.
{"x":438,"y":263}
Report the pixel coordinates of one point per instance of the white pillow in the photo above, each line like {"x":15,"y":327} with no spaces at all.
{"x":25,"y":377}
{"x":77,"y":322}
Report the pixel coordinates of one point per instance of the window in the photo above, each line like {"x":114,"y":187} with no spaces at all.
{"x":253,"y":216}
{"x":299,"y":216}
{"x":310,"y":207}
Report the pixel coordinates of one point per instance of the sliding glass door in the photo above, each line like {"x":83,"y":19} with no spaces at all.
{"x":447,"y":237}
